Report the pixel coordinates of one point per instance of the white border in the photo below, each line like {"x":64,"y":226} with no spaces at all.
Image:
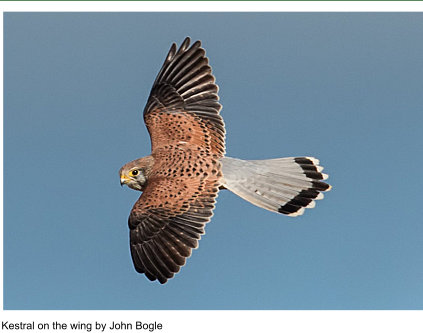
{"x":220,"y":321}
{"x":234,"y":321}
{"x":216,"y":6}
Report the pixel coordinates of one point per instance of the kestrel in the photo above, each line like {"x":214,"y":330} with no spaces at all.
{"x":187,"y":167}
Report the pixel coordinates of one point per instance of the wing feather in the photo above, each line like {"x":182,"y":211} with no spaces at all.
{"x":169,"y":249}
{"x":162,"y":238}
{"x":186,"y":86}
{"x":167,"y":260}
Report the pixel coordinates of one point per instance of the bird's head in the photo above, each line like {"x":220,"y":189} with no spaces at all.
{"x":135,"y":174}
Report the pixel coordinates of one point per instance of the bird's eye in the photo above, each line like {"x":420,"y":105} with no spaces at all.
{"x":134,"y":172}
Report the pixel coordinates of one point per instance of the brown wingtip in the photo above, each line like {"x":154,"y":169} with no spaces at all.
{"x":184,"y":45}
{"x":171,"y":53}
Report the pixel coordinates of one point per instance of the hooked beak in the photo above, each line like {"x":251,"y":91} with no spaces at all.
{"x":124,"y":180}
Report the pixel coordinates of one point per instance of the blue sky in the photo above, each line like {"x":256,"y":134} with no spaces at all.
{"x":345,"y":88}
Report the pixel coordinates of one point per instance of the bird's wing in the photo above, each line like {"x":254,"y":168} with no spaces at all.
{"x":167,"y":221}
{"x":188,"y":139}
{"x":183,"y":105}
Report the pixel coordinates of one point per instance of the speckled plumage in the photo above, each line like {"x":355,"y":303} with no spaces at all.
{"x":187,"y":141}
{"x":182,"y":176}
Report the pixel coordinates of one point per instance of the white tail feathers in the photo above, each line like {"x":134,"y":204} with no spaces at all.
{"x":284,"y":185}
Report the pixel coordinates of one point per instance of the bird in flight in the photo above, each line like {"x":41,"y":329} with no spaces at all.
{"x":187,"y":167}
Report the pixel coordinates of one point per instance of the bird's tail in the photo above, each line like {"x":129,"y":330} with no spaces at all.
{"x":283,"y":185}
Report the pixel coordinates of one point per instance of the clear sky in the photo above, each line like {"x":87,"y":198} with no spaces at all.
{"x":345,"y":88}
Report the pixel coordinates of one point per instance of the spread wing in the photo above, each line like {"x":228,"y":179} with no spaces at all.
{"x":166,"y":223}
{"x":183,"y":105}
{"x":188,"y":139}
